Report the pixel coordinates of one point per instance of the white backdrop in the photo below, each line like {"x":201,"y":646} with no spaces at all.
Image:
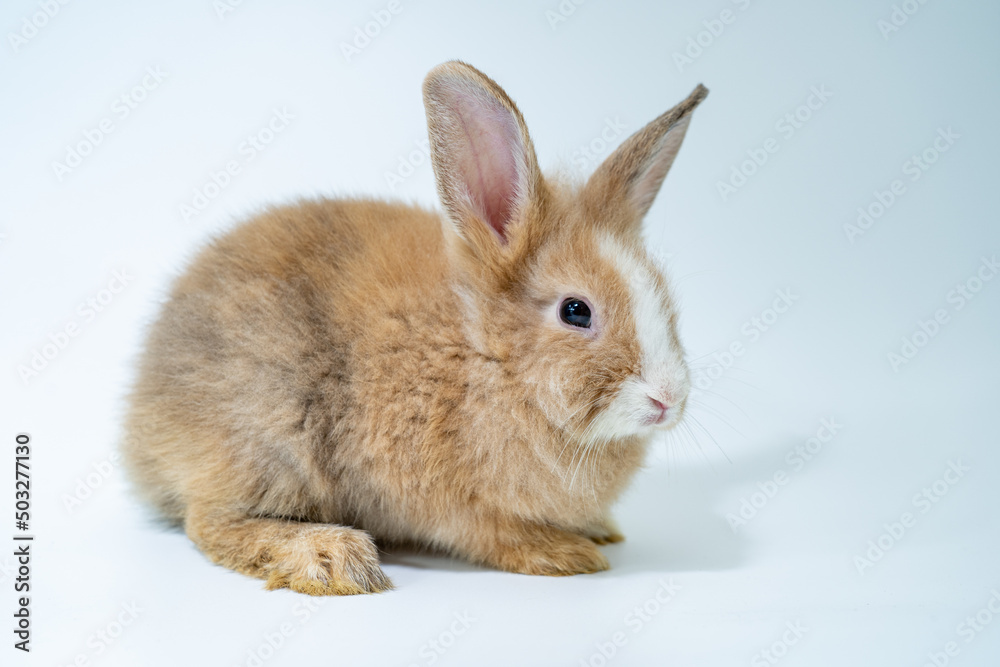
{"x":832,"y":213}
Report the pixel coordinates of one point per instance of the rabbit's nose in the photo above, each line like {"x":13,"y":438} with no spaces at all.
{"x":662,"y":408}
{"x":659,"y":404}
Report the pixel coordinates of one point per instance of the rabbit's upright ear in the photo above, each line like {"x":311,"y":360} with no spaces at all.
{"x":633,"y":174}
{"x":483,"y":158}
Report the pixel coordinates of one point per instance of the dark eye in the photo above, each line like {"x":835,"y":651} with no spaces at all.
{"x":575,"y":313}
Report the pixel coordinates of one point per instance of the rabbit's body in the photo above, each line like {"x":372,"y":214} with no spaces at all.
{"x":335,"y":367}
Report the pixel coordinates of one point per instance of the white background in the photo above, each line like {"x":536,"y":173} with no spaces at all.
{"x":355,"y":119}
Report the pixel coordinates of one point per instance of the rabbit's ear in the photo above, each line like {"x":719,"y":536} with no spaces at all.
{"x":633,"y":174}
{"x":482,"y":155}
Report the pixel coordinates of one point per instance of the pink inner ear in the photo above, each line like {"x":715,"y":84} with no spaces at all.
{"x":487,"y":161}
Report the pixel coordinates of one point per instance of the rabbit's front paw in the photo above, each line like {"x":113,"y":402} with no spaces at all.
{"x":312,"y":558}
{"x":603,"y":532}
{"x":551,"y":552}
{"x":327,"y":560}
{"x":606,"y":538}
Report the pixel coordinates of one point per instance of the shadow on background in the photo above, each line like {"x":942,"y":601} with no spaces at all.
{"x":673,"y":520}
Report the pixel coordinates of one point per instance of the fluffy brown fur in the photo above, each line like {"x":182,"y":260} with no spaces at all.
{"x":342,"y":369}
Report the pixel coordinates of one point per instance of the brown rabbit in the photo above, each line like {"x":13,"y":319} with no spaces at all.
{"x":482,"y":381}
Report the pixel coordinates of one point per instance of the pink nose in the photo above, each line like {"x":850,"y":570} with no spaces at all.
{"x":662,"y":407}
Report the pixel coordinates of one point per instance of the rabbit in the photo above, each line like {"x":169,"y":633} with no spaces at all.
{"x":482,"y":382}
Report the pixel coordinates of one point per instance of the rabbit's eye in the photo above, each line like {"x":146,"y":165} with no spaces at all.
{"x":575,"y":313}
